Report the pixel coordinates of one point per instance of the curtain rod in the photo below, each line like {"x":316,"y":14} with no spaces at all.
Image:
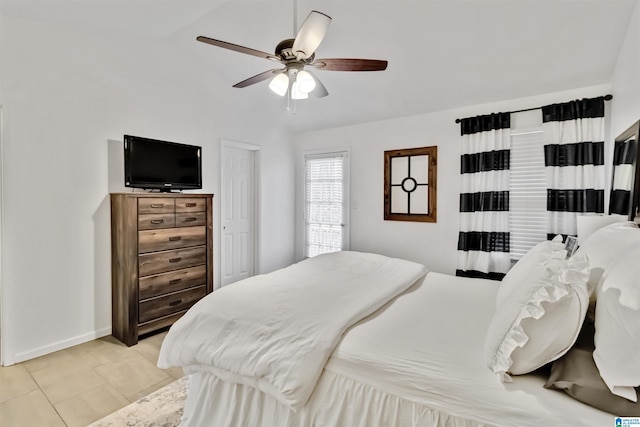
{"x":606,"y":98}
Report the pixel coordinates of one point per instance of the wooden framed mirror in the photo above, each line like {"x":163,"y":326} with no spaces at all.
{"x":410,"y":177}
{"x":625,"y":181}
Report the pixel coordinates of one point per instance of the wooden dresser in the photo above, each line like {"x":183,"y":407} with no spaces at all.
{"x":161,"y":259}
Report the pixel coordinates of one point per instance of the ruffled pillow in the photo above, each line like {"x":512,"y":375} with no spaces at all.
{"x":539,"y":255}
{"x":617,"y":323}
{"x":538,"y":320}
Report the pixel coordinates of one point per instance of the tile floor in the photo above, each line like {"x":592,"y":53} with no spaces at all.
{"x":82,"y":384}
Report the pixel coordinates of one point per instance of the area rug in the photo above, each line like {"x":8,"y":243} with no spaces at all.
{"x":162,"y":408}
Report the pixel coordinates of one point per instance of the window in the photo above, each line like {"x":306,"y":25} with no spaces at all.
{"x":325,"y":203}
{"x":527,"y":193}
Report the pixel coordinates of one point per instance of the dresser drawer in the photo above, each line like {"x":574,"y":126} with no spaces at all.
{"x":162,"y":322}
{"x":171,"y":238}
{"x":160,"y":262}
{"x":153,"y":205}
{"x":195,"y":204}
{"x":190,"y":219}
{"x":164,"y":283}
{"x":156,"y":221}
{"x":168,"y":304}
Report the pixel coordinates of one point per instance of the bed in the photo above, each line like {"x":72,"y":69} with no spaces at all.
{"x":414,"y":353}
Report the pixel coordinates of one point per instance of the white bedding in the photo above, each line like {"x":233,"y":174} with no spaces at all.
{"x":275,"y":332}
{"x":418,"y":361}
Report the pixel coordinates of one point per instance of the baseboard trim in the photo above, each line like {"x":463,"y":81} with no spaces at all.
{"x":60,"y":345}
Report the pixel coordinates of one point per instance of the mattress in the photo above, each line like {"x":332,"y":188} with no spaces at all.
{"x":418,"y":361}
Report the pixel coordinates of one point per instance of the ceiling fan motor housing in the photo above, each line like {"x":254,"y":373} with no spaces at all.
{"x":284,"y":50}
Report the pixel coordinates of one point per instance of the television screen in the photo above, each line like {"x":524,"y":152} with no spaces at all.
{"x":154,"y":164}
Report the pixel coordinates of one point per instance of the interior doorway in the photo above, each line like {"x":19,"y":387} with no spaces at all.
{"x":238,"y":211}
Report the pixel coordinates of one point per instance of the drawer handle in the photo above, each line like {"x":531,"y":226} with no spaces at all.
{"x":190,"y":219}
{"x":157,"y":205}
{"x":157,"y":221}
{"x":175,"y":238}
{"x":174,"y":303}
{"x":190,"y":205}
{"x":174,"y":260}
{"x":175,"y":281}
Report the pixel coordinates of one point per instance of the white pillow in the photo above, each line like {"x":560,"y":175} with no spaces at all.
{"x":540,"y":318}
{"x":588,"y":224}
{"x":540,"y":254}
{"x":604,"y":247}
{"x":617,"y":337}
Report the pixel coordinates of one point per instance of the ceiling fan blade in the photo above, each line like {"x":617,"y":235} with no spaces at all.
{"x":311,"y":34}
{"x":349,"y":64}
{"x":319,"y":91}
{"x":258,"y":78}
{"x":237,"y":48}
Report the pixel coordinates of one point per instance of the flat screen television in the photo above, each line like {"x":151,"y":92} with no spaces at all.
{"x":161,"y":165}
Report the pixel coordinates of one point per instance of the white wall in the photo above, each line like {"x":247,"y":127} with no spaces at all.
{"x":433,"y":244}
{"x":626,"y":79}
{"x":66,"y":92}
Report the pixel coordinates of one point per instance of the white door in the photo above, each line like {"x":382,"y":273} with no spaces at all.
{"x":238,"y":213}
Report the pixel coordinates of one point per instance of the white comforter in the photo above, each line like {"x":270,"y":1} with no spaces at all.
{"x":275,"y":332}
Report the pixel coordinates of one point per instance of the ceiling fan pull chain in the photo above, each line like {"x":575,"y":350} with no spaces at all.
{"x":291,"y":102}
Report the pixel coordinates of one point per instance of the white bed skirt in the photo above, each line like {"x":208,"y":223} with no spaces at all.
{"x":337,"y":401}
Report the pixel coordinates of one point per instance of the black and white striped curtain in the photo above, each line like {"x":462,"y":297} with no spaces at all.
{"x":483,"y":241}
{"x":624,"y":154}
{"x":574,"y":161}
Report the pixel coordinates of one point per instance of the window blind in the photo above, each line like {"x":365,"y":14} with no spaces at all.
{"x":527,"y":193}
{"x":324,"y":203}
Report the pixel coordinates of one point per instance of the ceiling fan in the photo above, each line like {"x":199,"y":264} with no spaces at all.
{"x":296,"y":54}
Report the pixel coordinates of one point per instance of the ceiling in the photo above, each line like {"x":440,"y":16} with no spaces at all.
{"x":442,"y":53}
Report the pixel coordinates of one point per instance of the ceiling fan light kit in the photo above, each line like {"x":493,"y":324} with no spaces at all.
{"x":296,"y":93}
{"x":305,"y":81}
{"x":280,"y":84}
{"x":295,"y":54}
